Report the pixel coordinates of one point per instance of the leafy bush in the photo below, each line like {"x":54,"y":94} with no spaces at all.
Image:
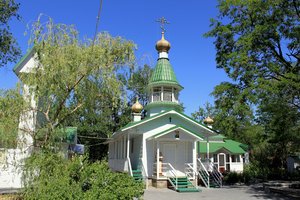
{"x":232,"y":178}
{"x":48,"y":176}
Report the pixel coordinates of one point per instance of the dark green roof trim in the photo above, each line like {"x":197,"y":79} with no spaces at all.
{"x":178,"y":127}
{"x":163,"y":73}
{"x":232,"y":146}
{"x":16,"y":68}
{"x":175,"y":105}
{"x":165,"y":83}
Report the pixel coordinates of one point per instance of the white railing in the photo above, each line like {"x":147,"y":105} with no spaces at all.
{"x":167,"y":171}
{"x":129,"y":166}
{"x":171,"y":175}
{"x":191,"y":173}
{"x":216,"y":174}
{"x":189,"y":170}
{"x":144,"y":172}
{"x":211,"y":171}
{"x":203,"y":173}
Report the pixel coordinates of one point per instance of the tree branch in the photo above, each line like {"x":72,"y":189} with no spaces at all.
{"x":61,"y":105}
{"x":296,"y":9}
{"x":74,"y":110}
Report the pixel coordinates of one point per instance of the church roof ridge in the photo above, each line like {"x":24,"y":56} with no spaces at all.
{"x":133,"y":124}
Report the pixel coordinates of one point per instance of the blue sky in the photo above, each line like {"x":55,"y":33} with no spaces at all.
{"x":192,"y":56}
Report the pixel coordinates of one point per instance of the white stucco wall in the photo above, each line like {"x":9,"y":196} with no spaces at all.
{"x":11,"y":169}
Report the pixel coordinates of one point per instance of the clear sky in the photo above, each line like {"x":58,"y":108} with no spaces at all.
{"x":192,"y":56}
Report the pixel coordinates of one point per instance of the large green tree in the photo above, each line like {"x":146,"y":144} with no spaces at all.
{"x":9,"y":51}
{"x":75,"y":76}
{"x":73,"y":82}
{"x":11,"y":104}
{"x":257,"y":44}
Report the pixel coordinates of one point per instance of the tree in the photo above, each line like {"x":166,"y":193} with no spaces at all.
{"x":203,"y":112}
{"x":258,"y":46}
{"x":138,"y":83}
{"x":9,"y":51}
{"x":73,"y":76}
{"x":11,"y":104}
{"x":76,"y":80}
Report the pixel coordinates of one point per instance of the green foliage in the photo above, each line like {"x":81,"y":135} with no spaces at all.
{"x":138,"y":83}
{"x":75,"y":82}
{"x":11,"y":103}
{"x":257,"y":45}
{"x":49,"y":176}
{"x":232,"y":178}
{"x":9,"y":51}
{"x":203,"y":112}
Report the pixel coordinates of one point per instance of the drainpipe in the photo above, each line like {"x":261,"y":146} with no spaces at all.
{"x":208,"y":161}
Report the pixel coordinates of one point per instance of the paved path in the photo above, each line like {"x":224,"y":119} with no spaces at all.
{"x":225,"y":193}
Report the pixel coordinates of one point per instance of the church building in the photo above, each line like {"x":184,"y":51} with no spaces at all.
{"x":168,"y":148}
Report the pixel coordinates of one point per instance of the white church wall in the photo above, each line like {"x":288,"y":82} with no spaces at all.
{"x":11,"y":170}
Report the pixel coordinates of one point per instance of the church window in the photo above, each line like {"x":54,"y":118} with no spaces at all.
{"x":175,"y":94}
{"x":215,"y":157}
{"x":156,"y":94}
{"x":167,"y":94}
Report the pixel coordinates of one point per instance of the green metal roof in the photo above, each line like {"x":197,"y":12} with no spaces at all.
{"x":219,"y":136}
{"x":163,"y":74}
{"x":146,"y":119}
{"x":232,"y":146}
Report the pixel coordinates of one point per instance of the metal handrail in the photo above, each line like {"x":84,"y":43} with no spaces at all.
{"x":145,"y":175}
{"x":189,"y":166}
{"x":129,"y":166}
{"x":203,"y":168}
{"x":173,"y":173}
{"x":216,"y":174}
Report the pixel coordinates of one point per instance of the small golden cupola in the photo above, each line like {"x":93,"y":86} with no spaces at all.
{"x":137,"y":107}
{"x":208,"y":121}
{"x":163,"y":45}
{"x":136,"y":110}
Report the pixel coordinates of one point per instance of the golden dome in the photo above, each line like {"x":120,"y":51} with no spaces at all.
{"x":137,"y":107}
{"x":208,"y":120}
{"x":163,"y":45}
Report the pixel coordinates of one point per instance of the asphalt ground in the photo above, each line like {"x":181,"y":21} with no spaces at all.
{"x":224,"y":193}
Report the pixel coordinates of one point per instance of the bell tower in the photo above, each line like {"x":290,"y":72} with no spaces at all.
{"x":163,"y":87}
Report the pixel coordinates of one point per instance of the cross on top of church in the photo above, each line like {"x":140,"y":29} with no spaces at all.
{"x":162,"y":22}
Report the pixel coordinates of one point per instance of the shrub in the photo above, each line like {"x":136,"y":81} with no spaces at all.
{"x":232,"y":178}
{"x":48,"y":176}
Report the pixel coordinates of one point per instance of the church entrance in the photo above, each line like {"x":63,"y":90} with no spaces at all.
{"x":169,"y":154}
{"x":173,"y":154}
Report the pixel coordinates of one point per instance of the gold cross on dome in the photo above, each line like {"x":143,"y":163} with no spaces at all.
{"x":162,"y":22}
